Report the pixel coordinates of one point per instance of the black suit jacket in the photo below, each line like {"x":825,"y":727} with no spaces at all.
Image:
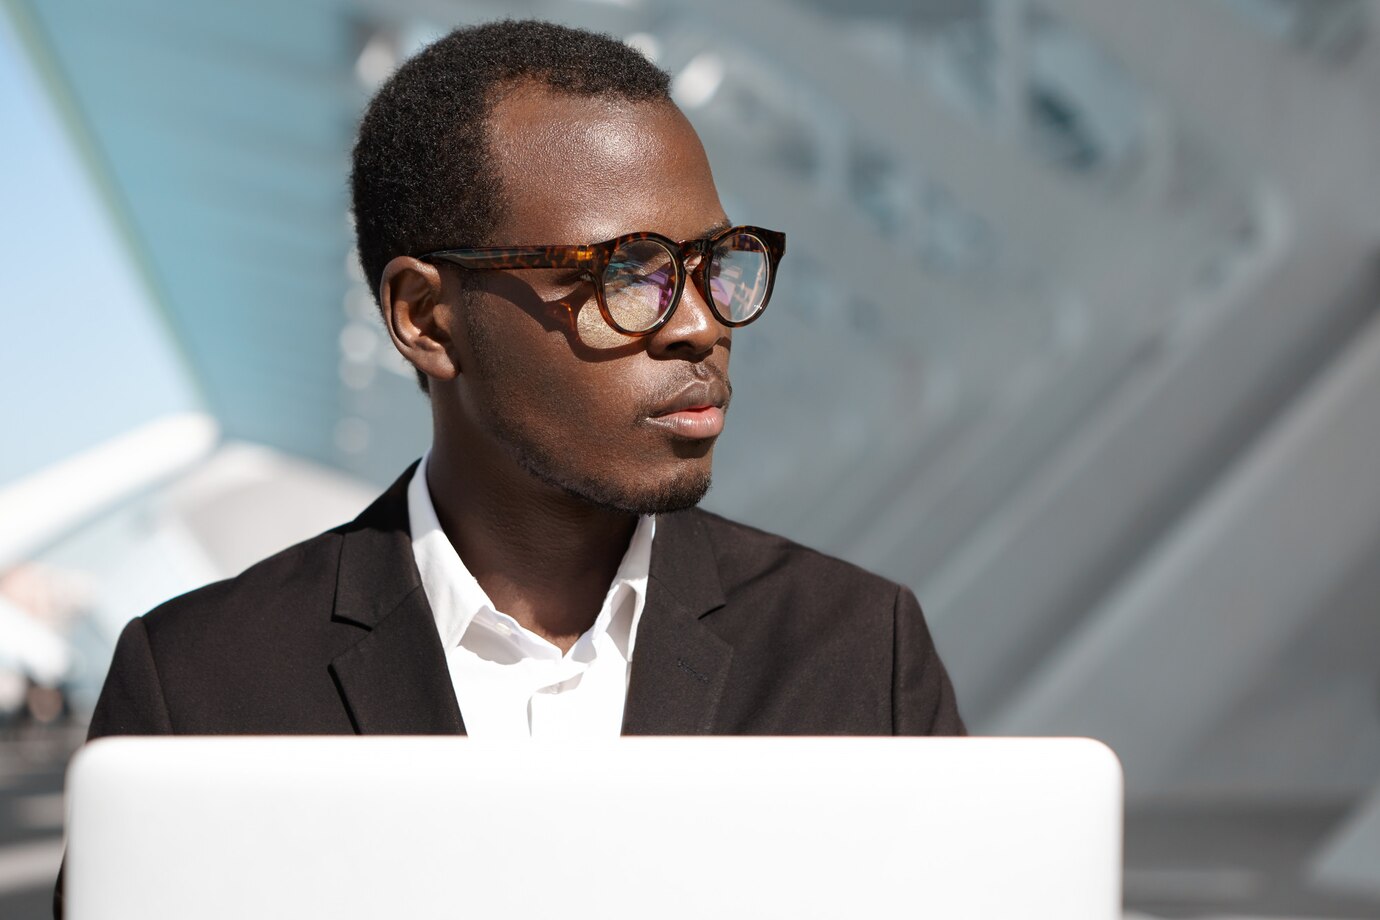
{"x":743,"y":632}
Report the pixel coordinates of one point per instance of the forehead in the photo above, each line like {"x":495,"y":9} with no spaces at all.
{"x":578,"y":169}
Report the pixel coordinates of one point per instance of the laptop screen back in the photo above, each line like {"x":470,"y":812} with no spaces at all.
{"x":650,"y":827}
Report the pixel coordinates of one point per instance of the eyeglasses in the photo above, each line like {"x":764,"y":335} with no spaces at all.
{"x":638,"y":277}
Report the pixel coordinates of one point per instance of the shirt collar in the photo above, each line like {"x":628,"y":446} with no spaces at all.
{"x":456,"y":597}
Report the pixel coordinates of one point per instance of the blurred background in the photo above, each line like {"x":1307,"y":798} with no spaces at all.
{"x":1076,"y":336}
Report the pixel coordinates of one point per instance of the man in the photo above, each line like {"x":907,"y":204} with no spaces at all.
{"x":542,"y":571}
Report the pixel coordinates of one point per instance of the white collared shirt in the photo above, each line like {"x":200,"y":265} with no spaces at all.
{"x":510,"y":682}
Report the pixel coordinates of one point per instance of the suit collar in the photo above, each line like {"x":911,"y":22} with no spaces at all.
{"x":377,"y":569}
{"x":684,"y":564}
{"x":680,"y":666}
{"x":395,"y":679}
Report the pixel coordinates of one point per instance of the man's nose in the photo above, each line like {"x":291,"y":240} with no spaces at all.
{"x":693,"y":330}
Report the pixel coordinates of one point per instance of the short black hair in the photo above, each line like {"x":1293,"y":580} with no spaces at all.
{"x":423,"y":178}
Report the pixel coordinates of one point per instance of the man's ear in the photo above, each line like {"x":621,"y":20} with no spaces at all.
{"x":419,"y":321}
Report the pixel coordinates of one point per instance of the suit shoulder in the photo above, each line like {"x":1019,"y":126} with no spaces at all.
{"x":293,"y":576}
{"x":747,"y":554}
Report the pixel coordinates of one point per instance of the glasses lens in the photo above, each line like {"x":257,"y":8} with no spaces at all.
{"x":638,"y":284}
{"x":739,"y":277}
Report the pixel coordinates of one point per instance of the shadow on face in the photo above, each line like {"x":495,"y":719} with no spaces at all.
{"x":572,"y":311}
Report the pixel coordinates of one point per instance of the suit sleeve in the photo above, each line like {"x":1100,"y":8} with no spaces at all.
{"x":131,"y":703}
{"x":922,"y":698}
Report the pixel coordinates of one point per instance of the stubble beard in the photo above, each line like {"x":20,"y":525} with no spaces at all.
{"x":684,"y":492}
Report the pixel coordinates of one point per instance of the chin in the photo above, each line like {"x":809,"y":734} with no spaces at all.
{"x":685,"y":495}
{"x":648,"y":482}
{"x":683,"y":490}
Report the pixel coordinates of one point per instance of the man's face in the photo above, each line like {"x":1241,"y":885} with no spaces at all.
{"x":575,"y":403}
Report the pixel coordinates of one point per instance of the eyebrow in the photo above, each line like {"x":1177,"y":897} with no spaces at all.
{"x":713,"y":229}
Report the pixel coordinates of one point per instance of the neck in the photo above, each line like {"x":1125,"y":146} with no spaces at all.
{"x":542,"y":556}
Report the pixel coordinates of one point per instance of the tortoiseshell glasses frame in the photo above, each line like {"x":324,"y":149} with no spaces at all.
{"x":639,"y":277}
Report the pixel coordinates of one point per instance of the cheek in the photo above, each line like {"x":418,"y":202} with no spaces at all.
{"x":575,"y":401}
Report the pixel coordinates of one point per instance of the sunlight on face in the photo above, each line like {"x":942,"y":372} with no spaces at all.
{"x":592,"y":330}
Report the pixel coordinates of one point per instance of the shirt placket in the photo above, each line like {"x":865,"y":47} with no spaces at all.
{"x":553,"y":704}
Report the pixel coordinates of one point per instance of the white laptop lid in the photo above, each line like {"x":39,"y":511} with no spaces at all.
{"x":637,"y":827}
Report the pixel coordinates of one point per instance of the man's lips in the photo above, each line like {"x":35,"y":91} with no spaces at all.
{"x":696,"y":412}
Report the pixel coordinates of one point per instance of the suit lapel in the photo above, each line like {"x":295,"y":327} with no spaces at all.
{"x":679,"y":665}
{"x":394,"y":681}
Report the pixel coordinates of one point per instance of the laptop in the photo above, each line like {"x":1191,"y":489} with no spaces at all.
{"x":710,"y":827}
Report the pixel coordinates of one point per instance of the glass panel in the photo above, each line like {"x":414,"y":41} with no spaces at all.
{"x":87,"y":357}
